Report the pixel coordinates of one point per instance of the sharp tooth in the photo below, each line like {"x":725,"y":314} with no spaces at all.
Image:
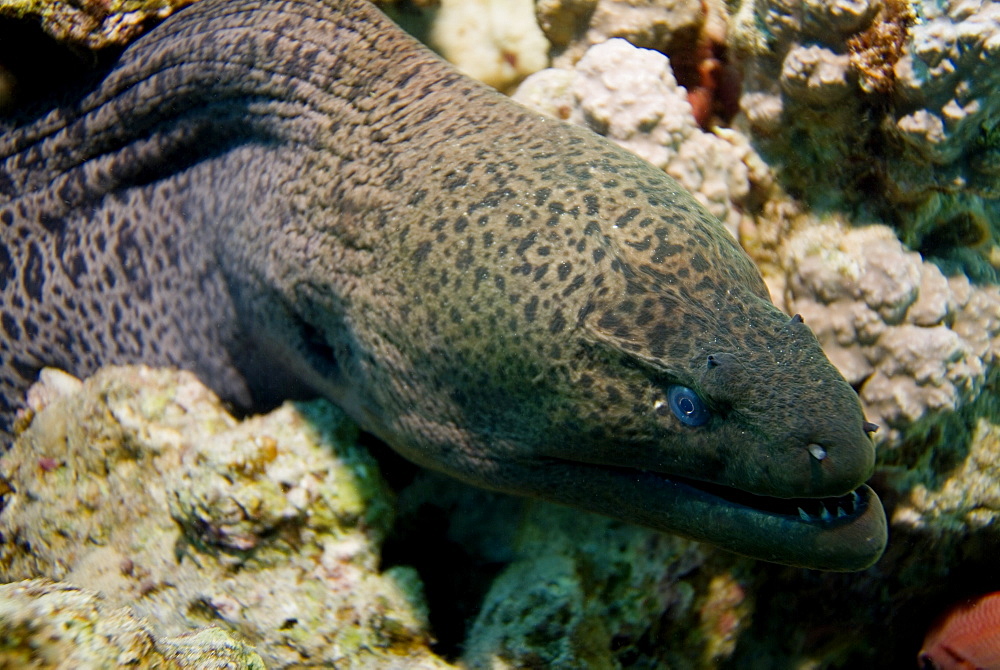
{"x":818,"y":452}
{"x":840,"y":512}
{"x":805,"y":517}
{"x":855,"y":499}
{"x":824,"y":513}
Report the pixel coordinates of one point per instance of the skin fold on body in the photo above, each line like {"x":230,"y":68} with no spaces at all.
{"x":294,"y":197}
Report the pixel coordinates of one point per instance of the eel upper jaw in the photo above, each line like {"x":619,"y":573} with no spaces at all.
{"x":844,"y":533}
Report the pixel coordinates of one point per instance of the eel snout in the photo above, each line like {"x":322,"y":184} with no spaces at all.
{"x":831,"y":466}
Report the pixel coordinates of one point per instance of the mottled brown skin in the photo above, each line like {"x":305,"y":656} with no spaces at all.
{"x":294,"y":197}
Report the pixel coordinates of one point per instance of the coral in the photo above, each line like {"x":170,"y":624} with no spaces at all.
{"x":875,"y":51}
{"x":574,"y":26}
{"x":45,"y":624}
{"x":496,"y":41}
{"x":139,"y":485}
{"x":948,"y":106}
{"x":964,"y":503}
{"x":690,"y":32}
{"x":587,"y":594}
{"x":890,"y":105}
{"x":916,"y":344}
{"x":542,"y":585}
{"x":94,"y":24}
{"x":724,"y":613}
{"x":799,"y":89}
{"x":816,"y":75}
{"x":630,"y":96}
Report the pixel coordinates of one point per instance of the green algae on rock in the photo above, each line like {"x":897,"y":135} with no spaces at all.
{"x":890,"y":106}
{"x":590,"y":595}
{"x":964,"y":502}
{"x":524,"y":583}
{"x":47,"y":625}
{"x":139,"y":485}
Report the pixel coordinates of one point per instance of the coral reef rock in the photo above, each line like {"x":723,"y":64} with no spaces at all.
{"x":916,"y":344}
{"x":589,"y":595}
{"x":672,"y":27}
{"x":892,"y":106}
{"x":138,"y":485}
{"x":94,"y":24}
{"x":495,"y":41}
{"x":48,"y":625}
{"x":963,"y":503}
{"x":547,"y":586}
{"x":948,"y":105}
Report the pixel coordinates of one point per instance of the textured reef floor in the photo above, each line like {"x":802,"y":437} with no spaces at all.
{"x":853,"y":147}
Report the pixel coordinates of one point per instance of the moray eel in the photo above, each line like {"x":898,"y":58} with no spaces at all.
{"x":294,"y":197}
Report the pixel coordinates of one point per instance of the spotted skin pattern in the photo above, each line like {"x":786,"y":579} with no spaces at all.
{"x":293,"y":197}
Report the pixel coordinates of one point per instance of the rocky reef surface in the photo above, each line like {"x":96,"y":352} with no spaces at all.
{"x":47,"y":624}
{"x":93,"y":24}
{"x":890,"y":103}
{"x":850,"y":145}
{"x":137,"y":485}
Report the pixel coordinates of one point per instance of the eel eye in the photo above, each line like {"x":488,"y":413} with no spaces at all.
{"x":687,"y":406}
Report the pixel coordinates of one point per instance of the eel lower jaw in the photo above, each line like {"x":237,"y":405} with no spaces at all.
{"x":844,"y":533}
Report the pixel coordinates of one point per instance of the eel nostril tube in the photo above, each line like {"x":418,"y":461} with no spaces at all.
{"x":817,"y":452}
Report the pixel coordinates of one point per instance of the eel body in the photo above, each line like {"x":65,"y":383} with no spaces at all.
{"x":293,"y":197}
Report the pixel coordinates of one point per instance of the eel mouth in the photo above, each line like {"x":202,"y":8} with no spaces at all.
{"x":842,"y":533}
{"x":829,"y":511}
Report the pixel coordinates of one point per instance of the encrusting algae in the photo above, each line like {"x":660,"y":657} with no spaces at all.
{"x":138,"y":484}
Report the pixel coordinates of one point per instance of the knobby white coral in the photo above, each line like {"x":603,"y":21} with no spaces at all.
{"x":665,"y":25}
{"x":948,"y":83}
{"x":496,"y":41}
{"x":914,"y":342}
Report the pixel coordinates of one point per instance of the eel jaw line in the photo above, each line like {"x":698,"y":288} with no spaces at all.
{"x":843,"y":533}
{"x":844,"y":508}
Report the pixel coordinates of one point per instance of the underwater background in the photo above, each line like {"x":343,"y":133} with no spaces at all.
{"x":851,"y":146}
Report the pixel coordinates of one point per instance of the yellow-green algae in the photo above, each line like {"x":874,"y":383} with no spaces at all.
{"x":45,"y":624}
{"x":575,"y":590}
{"x":137,"y":484}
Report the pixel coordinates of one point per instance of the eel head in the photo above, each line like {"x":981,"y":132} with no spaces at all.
{"x":754,"y":443}
{"x":586,"y":333}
